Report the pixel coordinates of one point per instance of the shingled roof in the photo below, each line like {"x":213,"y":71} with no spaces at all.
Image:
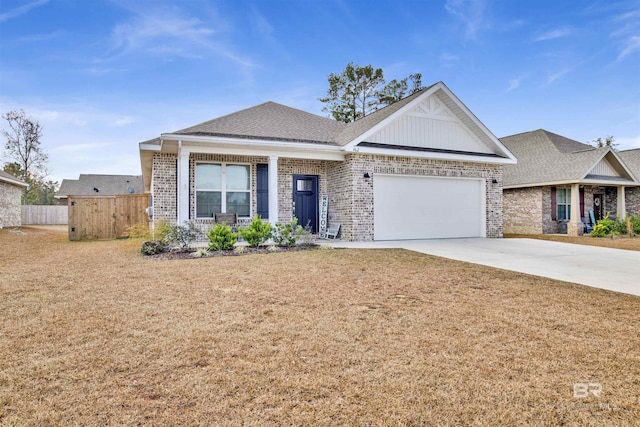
{"x":106,"y":185}
{"x":10,"y":179}
{"x":545,"y":157}
{"x":632,"y":159}
{"x":271,"y":121}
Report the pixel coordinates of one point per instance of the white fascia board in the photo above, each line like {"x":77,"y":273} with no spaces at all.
{"x":609,"y":183}
{"x":256,"y":147}
{"x":149,"y":147}
{"x":434,"y":155}
{"x":14,"y":182}
{"x":351,"y":145}
{"x":570,"y":182}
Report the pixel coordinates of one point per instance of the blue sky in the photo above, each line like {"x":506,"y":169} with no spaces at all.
{"x":103,"y":75}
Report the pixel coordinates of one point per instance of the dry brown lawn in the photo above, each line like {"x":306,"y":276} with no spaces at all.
{"x":616,"y":242}
{"x":91,"y":333}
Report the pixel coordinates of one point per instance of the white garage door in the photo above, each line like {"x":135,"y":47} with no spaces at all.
{"x":416,"y":207}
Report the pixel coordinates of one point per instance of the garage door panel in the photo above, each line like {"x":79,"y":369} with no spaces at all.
{"x":415,"y":207}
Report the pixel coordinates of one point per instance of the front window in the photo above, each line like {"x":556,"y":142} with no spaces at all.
{"x":222,"y":188}
{"x":563,"y":203}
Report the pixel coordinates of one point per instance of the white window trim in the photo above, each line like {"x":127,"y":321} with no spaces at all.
{"x":567,"y":203}
{"x":223,"y":190}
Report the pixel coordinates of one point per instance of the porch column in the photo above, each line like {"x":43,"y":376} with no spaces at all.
{"x":273,"y":189}
{"x":182,"y":185}
{"x":621,"y":206}
{"x":574,"y":227}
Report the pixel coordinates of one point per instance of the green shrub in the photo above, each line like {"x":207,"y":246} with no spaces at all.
{"x":182,"y":235}
{"x":634,"y":221}
{"x":619,"y":226}
{"x":287,"y":234}
{"x":153,"y":247}
{"x":221,"y":238}
{"x":161,"y":230}
{"x":257,"y":232}
{"x":605,"y":227}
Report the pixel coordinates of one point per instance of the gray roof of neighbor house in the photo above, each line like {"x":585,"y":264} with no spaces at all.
{"x":545,"y":157}
{"x":101,"y":185}
{"x":8,"y":178}
{"x":632,"y":159}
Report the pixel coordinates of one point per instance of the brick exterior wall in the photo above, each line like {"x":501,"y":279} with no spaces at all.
{"x":10,"y":210}
{"x":522,"y":209}
{"x":350,"y":195}
{"x":164,"y":187}
{"x":632,"y":200}
{"x":351,"y":203}
{"x":289,"y":167}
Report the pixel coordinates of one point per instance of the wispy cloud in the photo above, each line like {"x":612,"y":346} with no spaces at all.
{"x":514,"y":83}
{"x":555,"y":34}
{"x":471,"y":13}
{"x":21,"y":10}
{"x":449,"y":59}
{"x":169,"y":32}
{"x":552,"y":77}
{"x":631,"y":45}
{"x":628,"y":33}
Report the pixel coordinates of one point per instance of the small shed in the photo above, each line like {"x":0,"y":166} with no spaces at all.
{"x":11,"y":189}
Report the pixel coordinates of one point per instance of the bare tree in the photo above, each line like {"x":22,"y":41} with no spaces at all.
{"x":23,"y":146}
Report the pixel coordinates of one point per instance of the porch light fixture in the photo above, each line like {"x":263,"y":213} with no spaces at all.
{"x":494,"y":181}
{"x":366,"y":175}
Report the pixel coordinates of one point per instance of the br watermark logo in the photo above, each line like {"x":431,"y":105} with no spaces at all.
{"x":584,"y":390}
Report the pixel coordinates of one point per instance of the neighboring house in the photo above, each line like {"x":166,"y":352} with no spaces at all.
{"x":632,"y":194}
{"x":99,"y":185}
{"x":11,"y":189}
{"x":557,"y":181}
{"x":424,"y":167}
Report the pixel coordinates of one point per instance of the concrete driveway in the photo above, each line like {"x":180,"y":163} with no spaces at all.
{"x":612,"y":269}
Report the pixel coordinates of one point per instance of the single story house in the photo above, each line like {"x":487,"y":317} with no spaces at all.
{"x":99,"y":185}
{"x":557,"y":181}
{"x":423,"y":167}
{"x":11,"y":189}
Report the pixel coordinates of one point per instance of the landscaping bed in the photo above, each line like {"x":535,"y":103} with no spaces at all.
{"x":192,"y":253}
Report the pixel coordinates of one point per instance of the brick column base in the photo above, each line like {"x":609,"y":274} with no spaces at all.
{"x":575,"y":229}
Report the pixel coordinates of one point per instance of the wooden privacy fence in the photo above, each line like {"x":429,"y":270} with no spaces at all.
{"x":44,"y":215}
{"x":105,"y":217}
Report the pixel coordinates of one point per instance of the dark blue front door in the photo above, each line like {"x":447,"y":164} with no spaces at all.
{"x":305,"y":200}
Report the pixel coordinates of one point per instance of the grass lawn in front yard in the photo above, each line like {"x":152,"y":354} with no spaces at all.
{"x":615,"y":242}
{"x":92,"y":333}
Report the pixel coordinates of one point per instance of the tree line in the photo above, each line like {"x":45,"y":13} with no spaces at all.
{"x":28,"y":160}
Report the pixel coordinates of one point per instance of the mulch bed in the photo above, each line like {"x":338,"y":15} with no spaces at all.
{"x":188,"y":253}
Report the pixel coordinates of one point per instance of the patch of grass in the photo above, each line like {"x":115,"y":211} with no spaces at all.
{"x":92,"y":333}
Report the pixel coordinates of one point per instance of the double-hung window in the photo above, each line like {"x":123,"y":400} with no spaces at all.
{"x":563,"y":203}
{"x":222,"y":188}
